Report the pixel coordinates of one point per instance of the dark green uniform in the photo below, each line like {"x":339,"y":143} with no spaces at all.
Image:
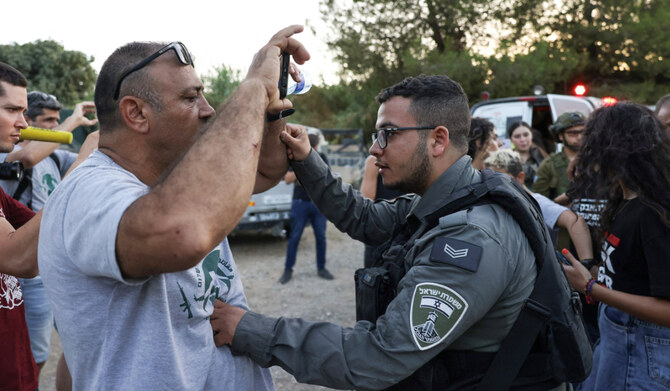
{"x":552,"y":176}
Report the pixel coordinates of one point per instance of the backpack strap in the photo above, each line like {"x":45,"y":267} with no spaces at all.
{"x":25,"y":181}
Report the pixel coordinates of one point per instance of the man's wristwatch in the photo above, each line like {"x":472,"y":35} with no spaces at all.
{"x":282,"y":114}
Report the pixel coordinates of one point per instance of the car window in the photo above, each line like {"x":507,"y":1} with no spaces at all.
{"x":562,"y":103}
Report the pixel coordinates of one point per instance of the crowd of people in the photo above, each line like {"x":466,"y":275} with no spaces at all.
{"x":136,"y":273}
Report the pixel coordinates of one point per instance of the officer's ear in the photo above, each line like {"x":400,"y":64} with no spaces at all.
{"x":439,"y":141}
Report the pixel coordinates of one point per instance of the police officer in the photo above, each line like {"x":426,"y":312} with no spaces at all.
{"x":465,"y":279}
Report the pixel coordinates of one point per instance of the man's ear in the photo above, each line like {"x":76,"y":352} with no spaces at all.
{"x":135,"y":113}
{"x":28,"y":120}
{"x":439,"y":140}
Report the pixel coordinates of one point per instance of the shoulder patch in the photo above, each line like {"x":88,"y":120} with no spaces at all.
{"x":435,"y":312}
{"x":456,"y":252}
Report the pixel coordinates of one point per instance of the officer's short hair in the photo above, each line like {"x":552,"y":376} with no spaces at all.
{"x":505,"y":159}
{"x":12,"y":76}
{"x":436,"y":100}
{"x":38,"y":101}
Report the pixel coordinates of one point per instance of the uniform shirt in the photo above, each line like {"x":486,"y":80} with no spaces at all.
{"x":552,"y":176}
{"x":467,"y":280}
{"x":636,"y":252}
{"x":133,"y":334}
{"x":18,"y":370}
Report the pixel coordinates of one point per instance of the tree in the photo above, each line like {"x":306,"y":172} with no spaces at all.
{"x":221,"y":84}
{"x":50,"y":68}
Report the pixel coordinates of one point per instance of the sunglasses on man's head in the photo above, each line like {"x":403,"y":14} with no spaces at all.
{"x":180,"y":50}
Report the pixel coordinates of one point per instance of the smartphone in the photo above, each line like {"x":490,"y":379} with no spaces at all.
{"x":562,"y":258}
{"x":283,"y":74}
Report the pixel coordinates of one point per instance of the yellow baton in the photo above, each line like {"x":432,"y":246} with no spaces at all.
{"x":39,"y":134}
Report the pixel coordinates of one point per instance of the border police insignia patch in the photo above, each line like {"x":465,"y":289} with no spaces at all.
{"x":435,"y":311}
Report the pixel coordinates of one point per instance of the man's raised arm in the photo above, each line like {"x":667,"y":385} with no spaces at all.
{"x":204,"y":196}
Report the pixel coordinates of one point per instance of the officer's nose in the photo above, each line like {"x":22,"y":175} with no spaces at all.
{"x":375,"y":150}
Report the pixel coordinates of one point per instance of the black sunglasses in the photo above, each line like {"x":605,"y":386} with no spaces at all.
{"x":382,"y":135}
{"x":180,"y":50}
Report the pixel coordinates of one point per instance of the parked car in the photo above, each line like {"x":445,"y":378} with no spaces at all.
{"x":269,"y":210}
{"x":539,"y":111}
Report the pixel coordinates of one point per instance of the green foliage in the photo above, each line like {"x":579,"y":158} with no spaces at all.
{"x":50,"y":68}
{"x":221,"y":84}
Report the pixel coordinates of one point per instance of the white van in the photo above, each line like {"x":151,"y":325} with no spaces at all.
{"x":539,"y":111}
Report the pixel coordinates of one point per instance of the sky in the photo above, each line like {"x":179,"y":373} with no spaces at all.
{"x":215,"y":32}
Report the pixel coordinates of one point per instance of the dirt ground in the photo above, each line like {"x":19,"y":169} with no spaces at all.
{"x":260,"y":260}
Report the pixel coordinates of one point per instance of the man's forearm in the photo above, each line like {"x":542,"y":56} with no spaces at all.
{"x":206,"y":193}
{"x":273,"y":161}
{"x":18,"y":248}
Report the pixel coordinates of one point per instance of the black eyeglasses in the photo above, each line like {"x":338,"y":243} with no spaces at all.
{"x":381,"y":136}
{"x":180,"y":50}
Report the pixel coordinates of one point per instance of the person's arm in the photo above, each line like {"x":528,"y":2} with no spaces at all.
{"x":193,"y":208}
{"x":578,"y":231}
{"x":273,"y":162}
{"x":650,"y":309}
{"x":34,"y":151}
{"x":18,"y":248}
{"x":369,"y":183}
{"x":87,"y":148}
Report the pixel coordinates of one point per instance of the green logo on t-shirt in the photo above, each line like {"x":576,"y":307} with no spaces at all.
{"x":215,"y":270}
{"x":49,"y":183}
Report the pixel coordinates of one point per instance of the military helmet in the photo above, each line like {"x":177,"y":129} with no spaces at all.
{"x":566,"y":121}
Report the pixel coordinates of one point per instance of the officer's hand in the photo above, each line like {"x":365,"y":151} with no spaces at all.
{"x":265,"y":65}
{"x":224,"y":321}
{"x":577,"y":274}
{"x":297,"y":142}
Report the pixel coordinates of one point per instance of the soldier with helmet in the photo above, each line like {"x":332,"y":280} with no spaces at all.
{"x":552,"y":175}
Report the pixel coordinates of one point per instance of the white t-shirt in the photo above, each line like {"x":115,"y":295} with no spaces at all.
{"x":129,"y":334}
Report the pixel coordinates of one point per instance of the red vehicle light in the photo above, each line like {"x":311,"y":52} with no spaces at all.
{"x":608,"y":101}
{"x":580,"y":90}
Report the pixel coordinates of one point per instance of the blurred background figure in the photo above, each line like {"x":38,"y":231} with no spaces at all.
{"x":482,"y":140}
{"x":555,"y":215}
{"x":552,"y":175}
{"x":662,"y":112}
{"x":303,"y":210}
{"x":521,"y":136}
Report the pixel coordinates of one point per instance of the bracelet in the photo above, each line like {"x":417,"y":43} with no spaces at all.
{"x":282,"y":114}
{"x":589,"y":289}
